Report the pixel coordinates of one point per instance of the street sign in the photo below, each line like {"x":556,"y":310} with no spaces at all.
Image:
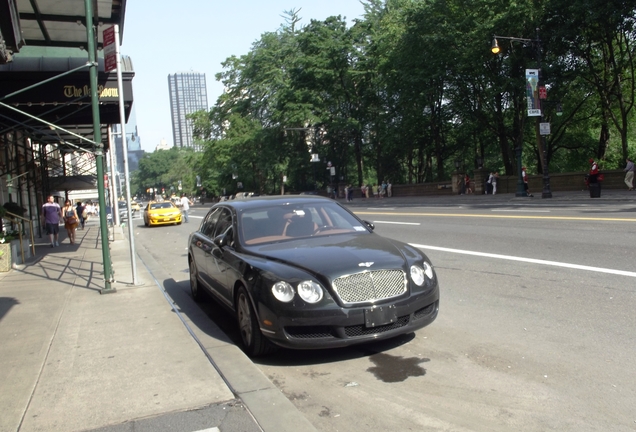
{"x":544,"y":128}
{"x":110,"y":53}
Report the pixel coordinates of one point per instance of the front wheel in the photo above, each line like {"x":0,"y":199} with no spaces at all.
{"x":254,"y":342}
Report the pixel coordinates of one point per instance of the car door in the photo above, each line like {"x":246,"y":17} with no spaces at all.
{"x":220,"y":254}
{"x":202,"y":247}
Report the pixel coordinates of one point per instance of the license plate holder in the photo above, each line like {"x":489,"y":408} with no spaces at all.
{"x":380,"y":315}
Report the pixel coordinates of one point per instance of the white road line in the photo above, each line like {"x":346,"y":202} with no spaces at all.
{"x":380,"y":208}
{"x":396,"y":223}
{"x":529,"y":260}
{"x":521,"y":210}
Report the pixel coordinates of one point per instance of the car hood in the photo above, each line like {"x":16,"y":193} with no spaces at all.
{"x":339,"y":254}
{"x":164,"y":210}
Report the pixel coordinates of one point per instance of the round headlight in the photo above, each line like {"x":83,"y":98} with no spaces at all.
{"x":310,"y":291}
{"x":428,"y":270}
{"x":417,"y":275}
{"x":283,"y":291}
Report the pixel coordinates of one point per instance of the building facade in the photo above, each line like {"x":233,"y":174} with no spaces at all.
{"x":188,"y":94}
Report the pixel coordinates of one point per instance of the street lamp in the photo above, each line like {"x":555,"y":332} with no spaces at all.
{"x":534,"y":83}
{"x":315,"y":158}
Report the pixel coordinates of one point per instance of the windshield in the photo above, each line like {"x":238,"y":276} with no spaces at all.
{"x":163,"y":205}
{"x":284,"y":222}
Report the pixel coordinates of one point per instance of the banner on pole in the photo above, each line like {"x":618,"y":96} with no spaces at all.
{"x":532,"y":92}
{"x":110,"y":54}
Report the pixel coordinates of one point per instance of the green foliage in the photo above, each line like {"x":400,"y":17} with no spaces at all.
{"x":7,"y":235}
{"x":412,"y":87}
{"x":164,"y":169}
{"x":14,"y":208}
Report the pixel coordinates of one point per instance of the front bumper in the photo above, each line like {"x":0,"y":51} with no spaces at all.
{"x":164,"y":220}
{"x":339,"y":327}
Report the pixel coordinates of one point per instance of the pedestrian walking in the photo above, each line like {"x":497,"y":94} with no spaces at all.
{"x":51,"y":216}
{"x":461,"y":184}
{"x":80,"y":209}
{"x":185,"y":207}
{"x":489,"y":183}
{"x":389,"y":189}
{"x":524,"y":175}
{"x":495,"y":177}
{"x":469,"y":190}
{"x":71,"y":220}
{"x":593,"y":176}
{"x":629,"y":177}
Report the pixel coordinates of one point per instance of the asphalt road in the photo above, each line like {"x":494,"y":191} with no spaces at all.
{"x":536,"y":329}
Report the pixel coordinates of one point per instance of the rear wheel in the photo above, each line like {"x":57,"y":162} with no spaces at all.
{"x":195,"y":287}
{"x":254,"y":342}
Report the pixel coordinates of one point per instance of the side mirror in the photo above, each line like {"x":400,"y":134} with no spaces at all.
{"x":220,"y":240}
{"x":369,"y":224}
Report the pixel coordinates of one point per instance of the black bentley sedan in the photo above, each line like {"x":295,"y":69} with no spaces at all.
{"x":305,"y":272}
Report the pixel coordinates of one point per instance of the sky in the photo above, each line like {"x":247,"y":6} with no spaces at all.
{"x":166,"y":37}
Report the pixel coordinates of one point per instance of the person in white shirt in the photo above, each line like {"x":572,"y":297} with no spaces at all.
{"x":185,"y":207}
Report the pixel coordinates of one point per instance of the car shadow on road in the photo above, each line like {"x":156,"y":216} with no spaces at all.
{"x":290,"y":357}
{"x":218,"y":322}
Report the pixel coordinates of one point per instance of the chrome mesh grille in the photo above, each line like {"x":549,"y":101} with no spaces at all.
{"x":369,"y":286}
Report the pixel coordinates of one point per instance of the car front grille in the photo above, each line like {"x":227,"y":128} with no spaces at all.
{"x":370,"y":286}
{"x":309,"y":332}
{"x":421,"y":313}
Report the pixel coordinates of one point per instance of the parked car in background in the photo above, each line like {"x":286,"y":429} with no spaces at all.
{"x":305,"y":272}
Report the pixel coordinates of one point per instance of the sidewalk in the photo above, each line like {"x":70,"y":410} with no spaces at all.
{"x":558,"y":199}
{"x":75,"y":360}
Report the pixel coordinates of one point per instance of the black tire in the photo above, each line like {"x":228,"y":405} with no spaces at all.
{"x":195,"y":287}
{"x":254,"y":343}
{"x":145,"y":223}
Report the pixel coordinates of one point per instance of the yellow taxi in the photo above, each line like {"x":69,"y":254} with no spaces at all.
{"x":161,"y":213}
{"x":134,"y":206}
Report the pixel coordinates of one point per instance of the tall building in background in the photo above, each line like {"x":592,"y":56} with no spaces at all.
{"x":188,"y":94}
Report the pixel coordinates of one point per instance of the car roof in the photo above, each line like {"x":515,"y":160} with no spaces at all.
{"x":260,"y":201}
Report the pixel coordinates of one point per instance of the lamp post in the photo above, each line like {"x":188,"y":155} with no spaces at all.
{"x":537,"y":111}
{"x":315,"y":158}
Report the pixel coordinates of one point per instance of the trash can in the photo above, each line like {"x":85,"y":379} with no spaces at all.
{"x":595,"y":190}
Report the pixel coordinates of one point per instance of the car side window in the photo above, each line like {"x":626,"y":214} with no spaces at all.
{"x":223,"y":223}
{"x":209,"y":223}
